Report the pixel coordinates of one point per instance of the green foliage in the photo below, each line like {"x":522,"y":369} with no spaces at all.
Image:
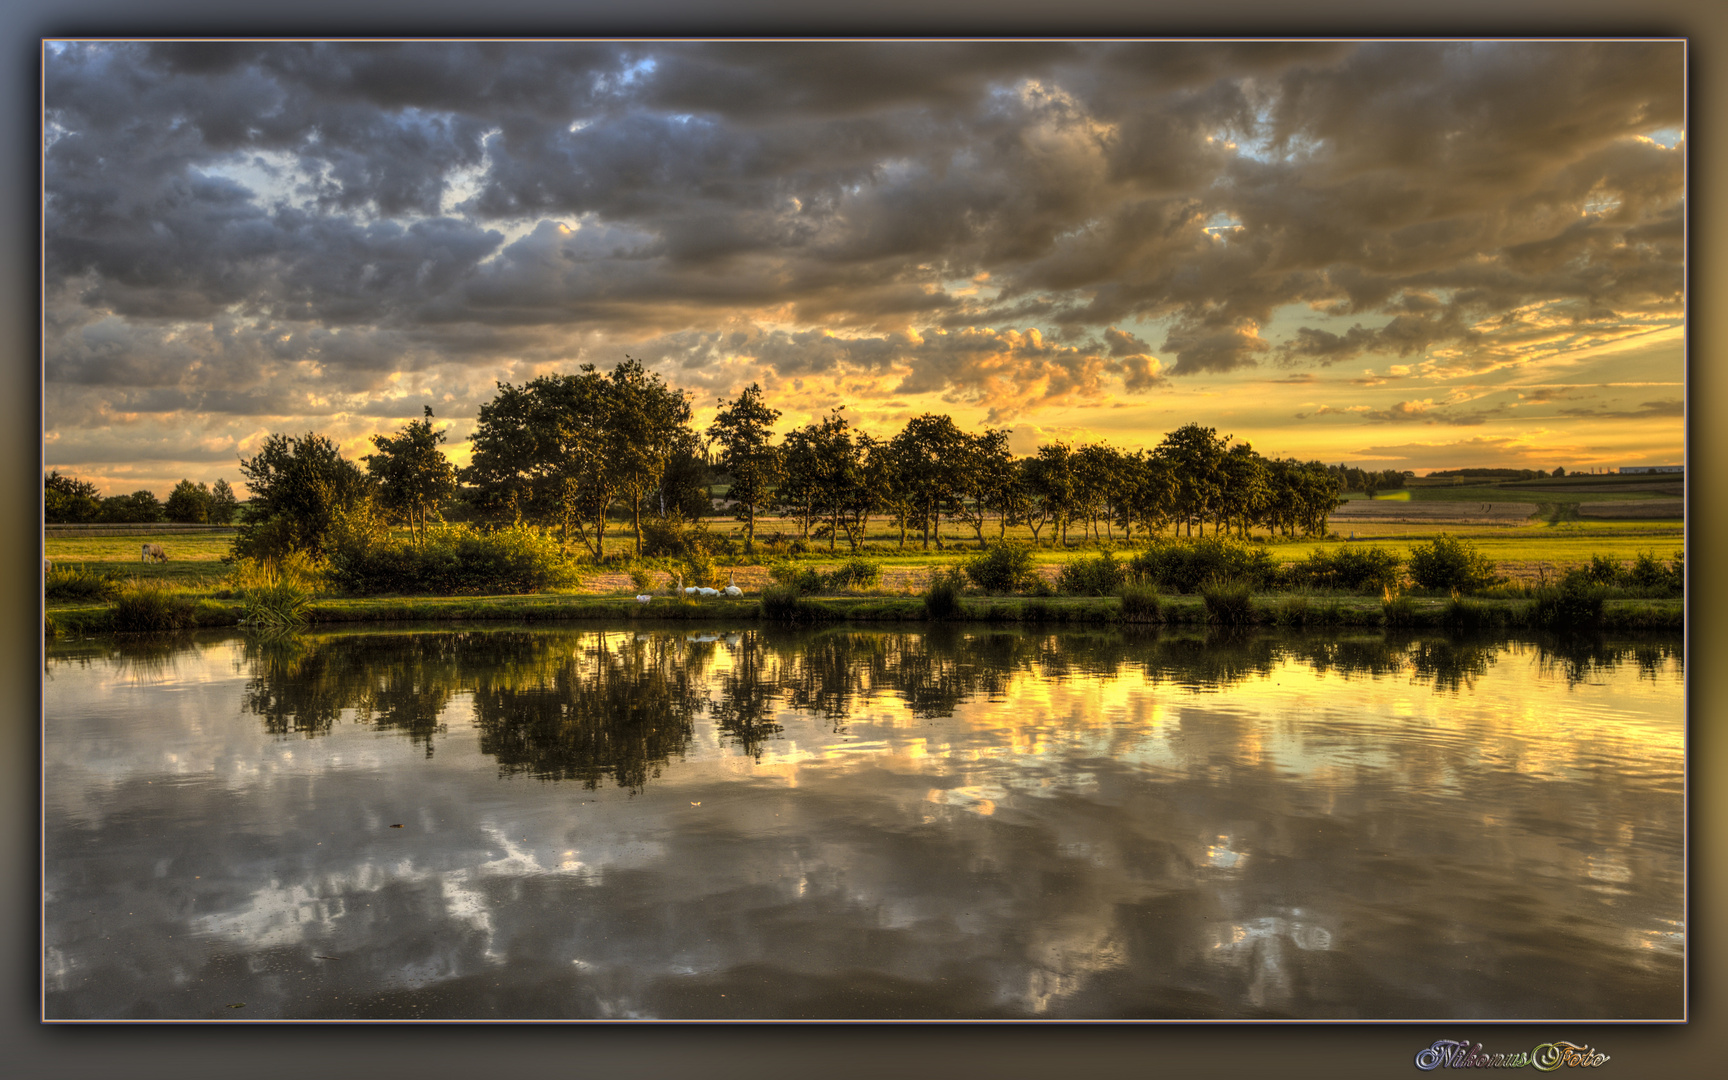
{"x":1649,"y":574}
{"x":1185,"y":565}
{"x":223,"y":505}
{"x":801,"y":579}
{"x":1358,"y":568}
{"x":784,"y":603}
{"x":1140,"y":603}
{"x":1575,"y":604}
{"x":942,"y":598}
{"x":140,"y":507}
{"x":1099,"y":576}
{"x":67,"y":499}
{"x":855,"y":574}
{"x":675,"y":537}
{"x":275,"y":594}
{"x":1399,"y":611}
{"x":453,"y":561}
{"x":744,"y":432}
{"x":152,"y":606}
{"x":188,"y":504}
{"x":301,"y":489}
{"x":642,"y":578}
{"x":1228,"y":603}
{"x":79,"y":582}
{"x":1003,"y":567}
{"x":413,"y":476}
{"x":1450,"y":564}
{"x":699,"y":568}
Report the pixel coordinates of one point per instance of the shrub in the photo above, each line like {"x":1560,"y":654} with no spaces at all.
{"x":642,"y":578}
{"x":151,"y":606}
{"x":783,"y":603}
{"x":1353,"y":567}
{"x":1185,"y":565}
{"x":1100,"y":576}
{"x":1140,"y":603}
{"x":1449,"y":564}
{"x":699,"y":568}
{"x":1398,"y":610}
{"x":454,"y":560}
{"x":675,"y":537}
{"x":942,"y":599}
{"x":79,"y":582}
{"x":799,"y":578}
{"x":1227,"y":603}
{"x":1575,"y":604}
{"x":1648,"y":573}
{"x":1003,"y":567}
{"x":1603,"y":571}
{"x":856,"y":574}
{"x":275,"y":593}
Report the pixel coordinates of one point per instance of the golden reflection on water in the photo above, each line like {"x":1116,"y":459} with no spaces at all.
{"x":990,"y":824}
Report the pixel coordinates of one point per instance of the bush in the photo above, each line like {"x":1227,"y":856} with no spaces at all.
{"x":152,"y":606}
{"x":1185,"y":565}
{"x":1399,"y":611}
{"x":1648,"y":573}
{"x":1227,"y":603}
{"x":1003,"y":567}
{"x":1602,"y":571}
{"x":856,"y":574}
{"x":798,"y":578}
{"x":783,"y":603}
{"x":1352,"y":567}
{"x":1140,"y":603}
{"x":1100,"y":576}
{"x":1575,"y":604}
{"x":1449,"y":564}
{"x":642,"y":578}
{"x":274,"y":595}
{"x":942,"y":599}
{"x":453,"y":561}
{"x":78,"y":582}
{"x":673,"y":536}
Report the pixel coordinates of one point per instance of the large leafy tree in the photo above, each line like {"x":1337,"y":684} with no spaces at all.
{"x":744,"y":431}
{"x":69,"y":499}
{"x":984,"y":480}
{"x":928,"y":453}
{"x":188,"y":503}
{"x":413,"y":475}
{"x":1196,"y":457}
{"x":644,"y":425}
{"x":223,"y":504}
{"x":1050,"y":479}
{"x":539,"y":455}
{"x":301,"y":488}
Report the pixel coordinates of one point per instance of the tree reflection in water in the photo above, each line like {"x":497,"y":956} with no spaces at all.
{"x":589,"y":706}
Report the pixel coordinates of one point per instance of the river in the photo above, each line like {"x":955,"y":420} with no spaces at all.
{"x":944,"y":822}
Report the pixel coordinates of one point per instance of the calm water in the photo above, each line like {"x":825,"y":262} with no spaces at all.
{"x":947,"y":823}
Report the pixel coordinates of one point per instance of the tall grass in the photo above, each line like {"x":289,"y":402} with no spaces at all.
{"x":79,"y":582}
{"x":152,"y":606}
{"x":1227,"y":603}
{"x":942,"y":598}
{"x":1140,"y":603}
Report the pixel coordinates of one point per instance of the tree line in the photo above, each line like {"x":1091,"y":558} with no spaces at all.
{"x":69,"y":500}
{"x":568,"y":452}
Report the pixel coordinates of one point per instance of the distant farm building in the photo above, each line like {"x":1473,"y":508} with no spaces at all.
{"x":1627,"y":470}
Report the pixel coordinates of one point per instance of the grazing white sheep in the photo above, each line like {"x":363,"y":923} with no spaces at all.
{"x":155,"y":552}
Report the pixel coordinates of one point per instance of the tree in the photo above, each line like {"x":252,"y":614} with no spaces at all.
{"x":1196,"y":456}
{"x":984,"y":480}
{"x":68,"y":499}
{"x":1050,"y":477}
{"x":643,"y":423}
{"x":223,"y":505}
{"x":927,"y":453}
{"x":140,"y":507}
{"x":413,"y":475}
{"x":539,"y":454}
{"x":301,"y":488}
{"x":188,"y":503}
{"x":744,"y":430}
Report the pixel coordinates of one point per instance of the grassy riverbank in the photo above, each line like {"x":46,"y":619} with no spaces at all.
{"x":1267,"y":609}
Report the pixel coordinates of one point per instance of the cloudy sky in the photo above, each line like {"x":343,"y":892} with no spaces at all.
{"x":1418,"y":255}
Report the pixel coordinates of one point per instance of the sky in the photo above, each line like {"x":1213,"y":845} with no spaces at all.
{"x":1405,"y":254}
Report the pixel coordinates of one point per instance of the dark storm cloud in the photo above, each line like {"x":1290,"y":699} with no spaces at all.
{"x":217,"y":213}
